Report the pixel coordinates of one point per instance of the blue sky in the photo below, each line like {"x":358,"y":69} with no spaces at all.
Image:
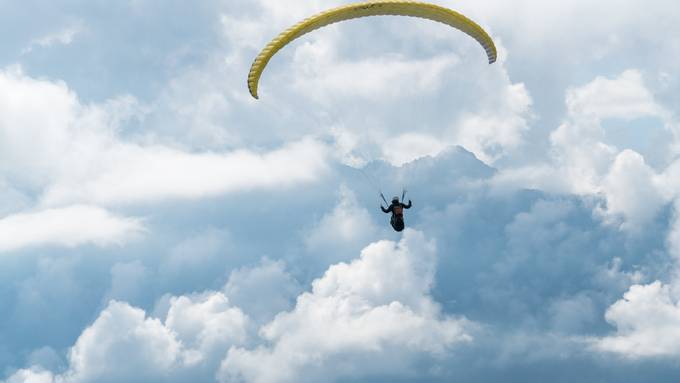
{"x":157,"y":224}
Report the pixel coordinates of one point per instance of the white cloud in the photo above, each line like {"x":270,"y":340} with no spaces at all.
{"x":631,"y":189}
{"x":36,"y":126}
{"x":72,"y":154}
{"x":624,"y":97}
{"x":123,"y":344}
{"x":133,"y":174}
{"x":647,"y":320}
{"x":606,"y":29}
{"x":584,"y":163}
{"x":355,"y":313}
{"x":494,"y":133}
{"x":579,"y":143}
{"x":319,"y":73}
{"x":32,"y":375}
{"x":490,"y":116}
{"x":70,"y":226}
{"x":64,"y":36}
{"x":669,"y":181}
{"x":267,"y":17}
{"x":206,"y":325}
{"x":580,"y":155}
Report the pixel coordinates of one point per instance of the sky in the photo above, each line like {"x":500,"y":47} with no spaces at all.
{"x":158,"y":224}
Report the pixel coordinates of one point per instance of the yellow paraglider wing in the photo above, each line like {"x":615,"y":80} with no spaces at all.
{"x":370,"y":8}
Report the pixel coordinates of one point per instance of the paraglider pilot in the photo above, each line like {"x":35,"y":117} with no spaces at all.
{"x":397,"y":210}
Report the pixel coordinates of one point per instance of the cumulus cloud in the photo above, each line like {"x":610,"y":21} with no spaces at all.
{"x":588,"y":164}
{"x":632,"y":190}
{"x":579,"y":143}
{"x":70,"y":226}
{"x":376,"y":307}
{"x":355,"y":310}
{"x":124,"y":344}
{"x":492,"y":134}
{"x":206,"y":325}
{"x":647,"y":320}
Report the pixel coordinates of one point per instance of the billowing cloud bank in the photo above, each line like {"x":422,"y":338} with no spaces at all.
{"x":371,"y":313}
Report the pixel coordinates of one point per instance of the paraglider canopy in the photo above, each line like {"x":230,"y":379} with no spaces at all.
{"x":370,"y":8}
